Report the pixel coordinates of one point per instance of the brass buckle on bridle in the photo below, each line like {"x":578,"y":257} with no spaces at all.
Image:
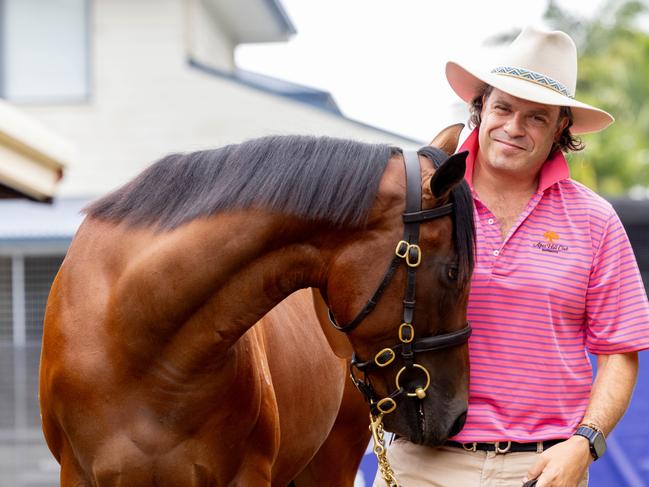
{"x":402,"y":249}
{"x":413,"y":257}
{"x":391,"y":405}
{"x":384,"y":357}
{"x":406,"y":332}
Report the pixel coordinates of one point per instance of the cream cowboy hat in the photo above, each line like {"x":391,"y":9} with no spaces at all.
{"x":539,"y":66}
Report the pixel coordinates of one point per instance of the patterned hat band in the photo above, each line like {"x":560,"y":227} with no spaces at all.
{"x":534,"y":77}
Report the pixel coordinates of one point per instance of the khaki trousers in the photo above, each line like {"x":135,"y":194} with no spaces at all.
{"x":447,"y":466}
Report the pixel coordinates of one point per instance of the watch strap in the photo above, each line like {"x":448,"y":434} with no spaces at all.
{"x":591,"y":434}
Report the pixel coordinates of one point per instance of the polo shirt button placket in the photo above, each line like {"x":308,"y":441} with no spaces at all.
{"x":494,"y":233}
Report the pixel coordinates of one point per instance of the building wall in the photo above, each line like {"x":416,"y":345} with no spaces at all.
{"x":207,"y":37}
{"x":147,"y":101}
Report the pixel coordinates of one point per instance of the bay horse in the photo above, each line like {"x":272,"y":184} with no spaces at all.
{"x":152,"y":372}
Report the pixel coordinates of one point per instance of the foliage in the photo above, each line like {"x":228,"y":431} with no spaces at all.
{"x":613,"y":75}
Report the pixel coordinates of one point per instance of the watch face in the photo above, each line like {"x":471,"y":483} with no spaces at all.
{"x":599,"y":444}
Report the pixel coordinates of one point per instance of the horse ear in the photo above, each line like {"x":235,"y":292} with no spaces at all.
{"x":448,"y":175}
{"x":448,"y":138}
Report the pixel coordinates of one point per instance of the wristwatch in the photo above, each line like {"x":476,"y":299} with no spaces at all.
{"x":595,"y":439}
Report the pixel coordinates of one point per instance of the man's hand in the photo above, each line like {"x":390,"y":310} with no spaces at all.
{"x":563,"y":465}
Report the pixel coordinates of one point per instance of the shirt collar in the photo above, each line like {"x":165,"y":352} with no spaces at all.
{"x":554,"y":170}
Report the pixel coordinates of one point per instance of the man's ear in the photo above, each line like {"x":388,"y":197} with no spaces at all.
{"x":448,"y":175}
{"x":561,"y":126}
{"x":448,"y":138}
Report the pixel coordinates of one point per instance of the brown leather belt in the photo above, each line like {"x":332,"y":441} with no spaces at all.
{"x":505,"y":446}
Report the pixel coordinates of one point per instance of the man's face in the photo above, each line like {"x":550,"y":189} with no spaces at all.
{"x":516,"y":135}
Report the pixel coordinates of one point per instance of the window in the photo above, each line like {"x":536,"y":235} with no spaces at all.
{"x":44,"y":53}
{"x":35,"y":273}
{"x":39,"y":274}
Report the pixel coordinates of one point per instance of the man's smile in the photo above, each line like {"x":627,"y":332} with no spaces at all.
{"x":510,"y":145}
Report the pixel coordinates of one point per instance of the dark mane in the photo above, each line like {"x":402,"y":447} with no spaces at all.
{"x":318,"y":178}
{"x":463,"y":223}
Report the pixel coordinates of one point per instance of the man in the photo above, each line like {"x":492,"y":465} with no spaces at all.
{"x":555,"y":277}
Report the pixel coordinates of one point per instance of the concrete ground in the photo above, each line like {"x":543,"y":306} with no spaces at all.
{"x":25,"y":460}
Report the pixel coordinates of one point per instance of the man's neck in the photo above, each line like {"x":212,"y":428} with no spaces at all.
{"x":487,"y":180}
{"x":505,"y":194}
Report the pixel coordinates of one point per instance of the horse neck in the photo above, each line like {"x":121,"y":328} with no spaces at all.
{"x":216,"y":277}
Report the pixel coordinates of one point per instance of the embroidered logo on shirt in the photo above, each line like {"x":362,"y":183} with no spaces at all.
{"x":550,"y":245}
{"x":550,"y":236}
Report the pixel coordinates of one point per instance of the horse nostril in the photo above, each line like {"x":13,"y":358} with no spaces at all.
{"x":458,"y":425}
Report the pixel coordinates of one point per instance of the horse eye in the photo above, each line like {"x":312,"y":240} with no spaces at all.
{"x":452,"y":272}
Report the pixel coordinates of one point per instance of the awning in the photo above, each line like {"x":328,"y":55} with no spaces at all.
{"x":32,"y":158}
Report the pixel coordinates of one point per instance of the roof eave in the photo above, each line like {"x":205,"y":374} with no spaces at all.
{"x":32,"y":158}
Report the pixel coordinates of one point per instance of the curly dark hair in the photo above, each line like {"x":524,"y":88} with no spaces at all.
{"x":566,"y":143}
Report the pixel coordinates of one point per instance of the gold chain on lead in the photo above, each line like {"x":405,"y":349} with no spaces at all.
{"x":376,"y":426}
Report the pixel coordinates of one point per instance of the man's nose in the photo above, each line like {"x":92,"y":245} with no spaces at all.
{"x":514,"y":125}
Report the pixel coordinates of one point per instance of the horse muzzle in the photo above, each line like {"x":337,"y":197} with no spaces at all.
{"x":429,"y":421}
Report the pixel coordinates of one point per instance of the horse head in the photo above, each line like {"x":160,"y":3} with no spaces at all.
{"x":410,"y":356}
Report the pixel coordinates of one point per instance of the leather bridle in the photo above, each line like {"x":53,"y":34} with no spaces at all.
{"x":407,"y":250}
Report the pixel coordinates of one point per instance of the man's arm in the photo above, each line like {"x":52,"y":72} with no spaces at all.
{"x":565,"y":464}
{"x":614,"y":383}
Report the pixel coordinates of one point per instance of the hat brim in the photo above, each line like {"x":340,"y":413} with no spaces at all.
{"x":468,"y":83}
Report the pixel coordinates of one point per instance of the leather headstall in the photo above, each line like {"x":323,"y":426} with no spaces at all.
{"x":407,"y":250}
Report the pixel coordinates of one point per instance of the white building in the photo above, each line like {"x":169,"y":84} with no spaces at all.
{"x":128,"y":81}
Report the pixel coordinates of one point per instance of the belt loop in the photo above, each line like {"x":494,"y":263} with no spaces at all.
{"x":473,"y":447}
{"x":505,"y":449}
{"x":539,"y":447}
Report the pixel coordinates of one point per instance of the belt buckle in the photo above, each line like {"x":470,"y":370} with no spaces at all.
{"x":473,"y":447}
{"x":502,"y":450}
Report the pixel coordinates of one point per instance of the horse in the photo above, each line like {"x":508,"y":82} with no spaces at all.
{"x":182,"y":345}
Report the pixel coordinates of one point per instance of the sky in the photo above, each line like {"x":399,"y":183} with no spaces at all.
{"x":383,"y":60}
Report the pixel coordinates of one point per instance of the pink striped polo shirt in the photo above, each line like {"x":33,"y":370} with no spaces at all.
{"x":564,"y":282}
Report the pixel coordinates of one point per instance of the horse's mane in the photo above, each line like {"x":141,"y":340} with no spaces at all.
{"x":318,"y":178}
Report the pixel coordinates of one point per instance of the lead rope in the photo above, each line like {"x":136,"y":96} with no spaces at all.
{"x":376,"y":426}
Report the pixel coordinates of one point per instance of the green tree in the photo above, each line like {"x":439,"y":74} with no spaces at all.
{"x":614,"y":75}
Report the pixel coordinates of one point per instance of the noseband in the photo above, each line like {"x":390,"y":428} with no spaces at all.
{"x":407,"y":250}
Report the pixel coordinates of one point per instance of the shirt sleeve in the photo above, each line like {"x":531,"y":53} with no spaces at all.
{"x":617,"y":312}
